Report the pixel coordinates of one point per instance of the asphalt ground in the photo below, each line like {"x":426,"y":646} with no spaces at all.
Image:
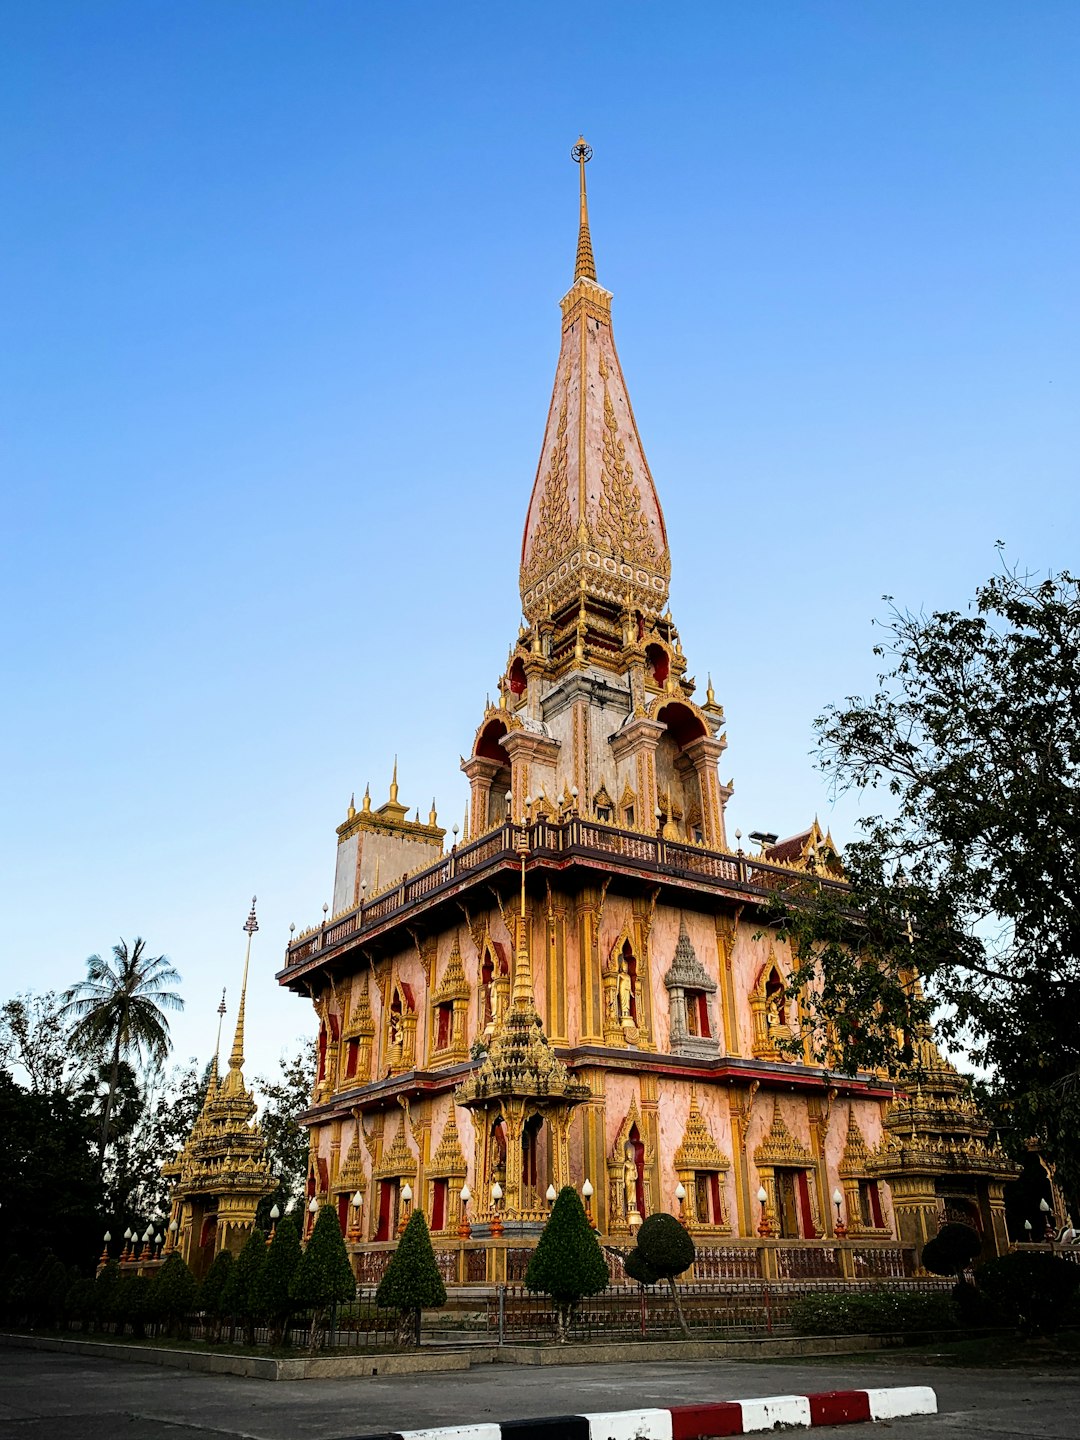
{"x":47,"y":1396}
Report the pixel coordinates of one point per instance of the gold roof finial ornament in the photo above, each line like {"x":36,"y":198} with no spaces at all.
{"x":236,"y":1056}
{"x":585,"y":268}
{"x":212,"y":1086}
{"x":393,"y":784}
{"x":367,"y":797}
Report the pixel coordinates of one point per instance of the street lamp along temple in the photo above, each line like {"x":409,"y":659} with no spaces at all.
{"x":583,"y":984}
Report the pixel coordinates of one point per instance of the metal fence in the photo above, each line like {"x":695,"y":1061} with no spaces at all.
{"x":648,"y":1312}
{"x":358,"y":1325}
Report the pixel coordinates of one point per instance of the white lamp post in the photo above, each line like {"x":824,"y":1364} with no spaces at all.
{"x":586,"y":1195}
{"x":496,"y":1216}
{"x":464,"y":1228}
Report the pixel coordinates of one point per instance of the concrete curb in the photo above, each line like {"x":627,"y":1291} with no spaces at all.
{"x":696,"y":1422}
{"x":435,"y":1359}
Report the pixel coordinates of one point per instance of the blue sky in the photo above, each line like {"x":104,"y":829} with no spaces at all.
{"x":279,"y":298}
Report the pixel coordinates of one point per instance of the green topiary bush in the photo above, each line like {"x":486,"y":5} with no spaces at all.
{"x":211,"y":1296}
{"x":1030,"y":1289}
{"x":106,"y":1285}
{"x":881,"y":1311}
{"x":133,"y":1303}
{"x":567,"y":1263}
{"x":175,"y":1289}
{"x":638,"y":1268}
{"x":667,"y":1250}
{"x":412,"y":1282}
{"x":273,"y":1300}
{"x":952,"y":1250}
{"x":238,"y":1296}
{"x":324,"y":1276}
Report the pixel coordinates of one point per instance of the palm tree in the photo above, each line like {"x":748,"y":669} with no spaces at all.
{"x":118,"y":1011}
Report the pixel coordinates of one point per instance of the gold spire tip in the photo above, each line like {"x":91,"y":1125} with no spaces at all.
{"x":251,"y":925}
{"x":585,"y":266}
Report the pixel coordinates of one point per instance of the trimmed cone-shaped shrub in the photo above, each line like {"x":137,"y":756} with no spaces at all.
{"x":412,"y":1282}
{"x":1030,"y":1289}
{"x":567,"y":1263}
{"x":238,"y":1298}
{"x":212,"y":1290}
{"x":133,"y":1303}
{"x":105,"y":1287}
{"x":667,"y":1250}
{"x":324,"y":1276}
{"x":175,"y":1288}
{"x":211,"y":1296}
{"x":952,"y":1250}
{"x":273,"y":1300}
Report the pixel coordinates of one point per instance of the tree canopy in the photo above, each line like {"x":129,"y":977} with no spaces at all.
{"x":118,"y":1011}
{"x":967,"y":877}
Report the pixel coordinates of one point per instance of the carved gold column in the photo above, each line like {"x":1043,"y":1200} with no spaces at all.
{"x":705,"y":754}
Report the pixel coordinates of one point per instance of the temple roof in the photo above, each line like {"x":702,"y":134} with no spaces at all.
{"x":594,"y":521}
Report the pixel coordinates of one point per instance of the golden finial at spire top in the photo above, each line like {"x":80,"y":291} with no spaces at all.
{"x":393,"y":784}
{"x":251,"y":925}
{"x":367,"y":797}
{"x":585,"y":267}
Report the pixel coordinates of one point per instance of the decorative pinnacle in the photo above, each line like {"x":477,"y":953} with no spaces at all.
{"x":394,"y":784}
{"x":585,"y":268}
{"x":251,"y":925}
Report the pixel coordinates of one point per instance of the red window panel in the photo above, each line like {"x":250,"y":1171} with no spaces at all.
{"x":343,"y":1213}
{"x":714,"y":1196}
{"x":875,"y":1205}
{"x":438,"y":1204}
{"x":703,"y":1015}
{"x":386,"y":1209}
{"x":352,"y":1059}
{"x":807,"y":1214}
{"x":445,"y":1026}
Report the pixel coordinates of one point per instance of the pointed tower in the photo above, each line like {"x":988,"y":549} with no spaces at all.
{"x":595,"y":704}
{"x":220,"y":1173}
{"x":594,"y":525}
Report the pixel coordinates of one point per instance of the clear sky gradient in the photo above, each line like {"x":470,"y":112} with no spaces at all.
{"x":278,"y":307}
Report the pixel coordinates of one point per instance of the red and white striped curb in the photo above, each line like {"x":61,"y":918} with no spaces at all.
{"x":696,"y":1422}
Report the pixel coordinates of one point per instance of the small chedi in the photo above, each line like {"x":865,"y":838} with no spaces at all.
{"x":582,"y":988}
{"x":220,"y":1174}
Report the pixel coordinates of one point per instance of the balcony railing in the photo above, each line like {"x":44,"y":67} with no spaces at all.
{"x":589,"y":840}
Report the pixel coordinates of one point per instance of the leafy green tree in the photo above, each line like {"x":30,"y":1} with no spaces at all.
{"x":175,"y":1289}
{"x":51,"y":1196}
{"x":324,"y":1276}
{"x":666,"y":1250}
{"x":32,"y":1040}
{"x":567,"y":1263}
{"x":273,"y":1296}
{"x":412,"y":1282}
{"x":119,"y":1011}
{"x":970,"y":880}
{"x":286,"y":1094}
{"x":238,"y":1297}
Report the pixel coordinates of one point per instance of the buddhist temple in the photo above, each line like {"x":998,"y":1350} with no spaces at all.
{"x":581,"y":988}
{"x":220,"y":1174}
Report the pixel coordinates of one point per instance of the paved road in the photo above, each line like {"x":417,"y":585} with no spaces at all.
{"x":46,"y":1396}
